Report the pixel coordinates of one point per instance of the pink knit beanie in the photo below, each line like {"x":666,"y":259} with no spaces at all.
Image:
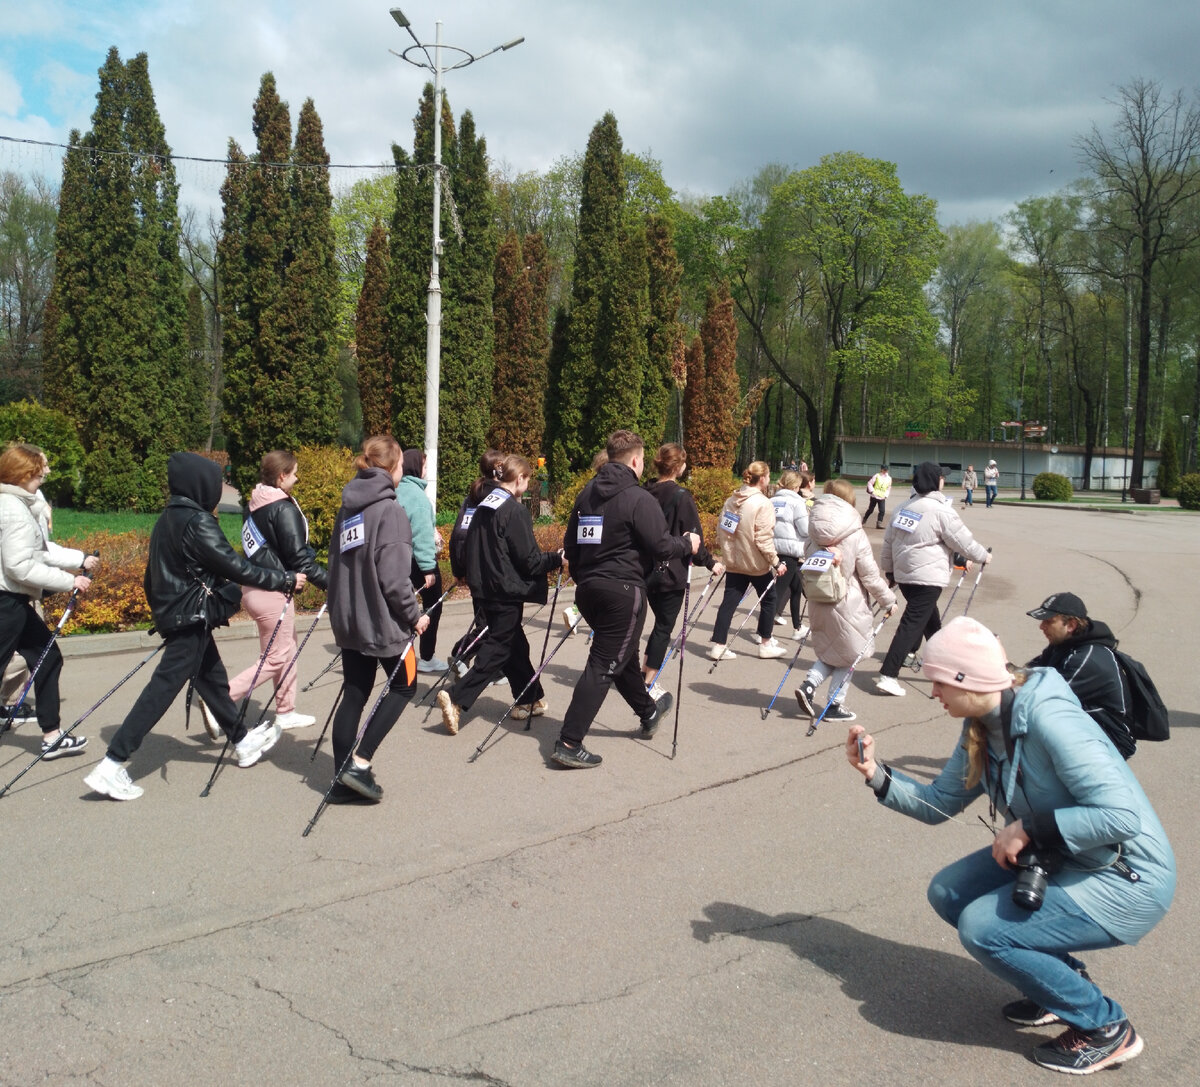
{"x":964,"y":653}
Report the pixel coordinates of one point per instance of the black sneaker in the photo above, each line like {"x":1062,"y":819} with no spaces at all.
{"x":575,"y":758}
{"x":343,"y":794}
{"x":804,"y":695}
{"x":651,"y":722}
{"x":362,"y":781}
{"x":23,"y":712}
{"x":1028,"y":1013}
{"x":1081,"y":1052}
{"x":64,"y":745}
{"x":835,"y":711}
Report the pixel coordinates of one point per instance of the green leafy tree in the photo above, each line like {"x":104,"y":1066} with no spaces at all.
{"x":27,"y":218}
{"x":374,"y":362}
{"x":355,"y":212}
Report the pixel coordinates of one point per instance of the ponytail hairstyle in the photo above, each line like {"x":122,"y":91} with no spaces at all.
{"x":513,"y":467}
{"x":275,"y":465}
{"x":790,"y":481}
{"x":669,"y":459}
{"x":756,"y":472}
{"x":379,"y":451}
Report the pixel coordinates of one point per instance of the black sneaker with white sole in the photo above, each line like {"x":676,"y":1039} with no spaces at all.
{"x":1081,"y":1052}
{"x":64,"y":745}
{"x":835,"y":711}
{"x":1029,"y":1013}
{"x":574,"y":758}
{"x":650,"y":723}
{"x":804,"y":695}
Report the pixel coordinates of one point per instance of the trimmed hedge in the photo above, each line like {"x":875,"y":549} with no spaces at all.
{"x":1051,"y":487}
{"x":1189,"y":491}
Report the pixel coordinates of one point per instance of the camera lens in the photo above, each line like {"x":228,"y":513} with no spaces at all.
{"x":1029,"y":891}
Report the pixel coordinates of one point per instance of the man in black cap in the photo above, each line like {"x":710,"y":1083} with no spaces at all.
{"x":1081,"y":649}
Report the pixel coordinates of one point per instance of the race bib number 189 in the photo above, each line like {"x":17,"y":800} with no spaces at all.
{"x":818,"y":561}
{"x":906,"y":520}
{"x":353,"y":535}
{"x":590,"y":530}
{"x":729,"y":522}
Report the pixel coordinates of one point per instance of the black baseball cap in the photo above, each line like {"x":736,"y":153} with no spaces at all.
{"x":1067,"y":604}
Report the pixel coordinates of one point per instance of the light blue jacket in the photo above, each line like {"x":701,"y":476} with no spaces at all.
{"x":410,"y":493}
{"x":791,"y":523}
{"x":1067,"y":782}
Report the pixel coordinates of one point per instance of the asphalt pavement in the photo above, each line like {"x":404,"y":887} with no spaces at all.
{"x":740,"y":913}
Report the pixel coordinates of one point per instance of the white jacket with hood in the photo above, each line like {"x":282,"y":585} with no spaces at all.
{"x":30,"y":562}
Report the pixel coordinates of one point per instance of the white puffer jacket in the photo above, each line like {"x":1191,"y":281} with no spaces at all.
{"x":30,"y":562}
{"x":791,"y":522}
{"x":921,"y":538}
{"x":843,"y":630}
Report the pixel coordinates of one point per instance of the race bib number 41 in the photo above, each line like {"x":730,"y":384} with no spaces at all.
{"x":729,"y":522}
{"x":353,"y":534}
{"x":906,"y":520}
{"x":590,"y":530}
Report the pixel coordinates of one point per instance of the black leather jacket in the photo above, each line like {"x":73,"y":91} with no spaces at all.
{"x":282,"y":541}
{"x":191,"y":562}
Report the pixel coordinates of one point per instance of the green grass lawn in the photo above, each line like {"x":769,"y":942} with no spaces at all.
{"x":75,"y":524}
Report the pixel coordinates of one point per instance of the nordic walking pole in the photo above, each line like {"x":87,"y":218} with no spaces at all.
{"x":982,"y":567}
{"x":916,"y":660}
{"x":545,"y":642}
{"x":745,"y":620}
{"x":338,"y":771}
{"x":291,"y":664}
{"x":689,"y":623}
{"x":332,"y":663}
{"x":846,"y":682}
{"x":558,"y":645}
{"x":453,"y":660}
{"x":687,"y":591}
{"x":325,"y":727}
{"x":795,"y":657}
{"x":253,"y":683}
{"x":67,"y":732}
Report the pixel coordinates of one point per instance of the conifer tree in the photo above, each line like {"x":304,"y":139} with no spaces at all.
{"x":405,"y":327}
{"x":711,"y":404}
{"x":695,"y":433}
{"x":663,"y":333}
{"x":374,"y":362}
{"x":620,"y":350}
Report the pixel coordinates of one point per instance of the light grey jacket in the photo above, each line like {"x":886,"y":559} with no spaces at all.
{"x":921,"y":538}
{"x":791,"y":522}
{"x":30,"y":562}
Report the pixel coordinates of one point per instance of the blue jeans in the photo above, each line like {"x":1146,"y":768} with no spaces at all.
{"x":970,"y":491}
{"x":1031,"y":950}
{"x":989,"y":490}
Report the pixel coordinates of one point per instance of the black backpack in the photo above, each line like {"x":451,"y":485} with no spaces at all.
{"x":1147,"y":714}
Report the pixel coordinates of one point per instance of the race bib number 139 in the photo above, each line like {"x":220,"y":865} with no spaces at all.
{"x":353,"y":534}
{"x":906,"y":520}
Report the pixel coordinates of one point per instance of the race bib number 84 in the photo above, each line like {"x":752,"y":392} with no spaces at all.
{"x":590,"y":530}
{"x":353,"y":534}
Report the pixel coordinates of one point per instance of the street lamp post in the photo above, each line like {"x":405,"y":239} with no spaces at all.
{"x":433,"y":312}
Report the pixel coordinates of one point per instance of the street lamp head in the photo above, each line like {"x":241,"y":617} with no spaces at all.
{"x":401,"y":19}
{"x":508,"y":45}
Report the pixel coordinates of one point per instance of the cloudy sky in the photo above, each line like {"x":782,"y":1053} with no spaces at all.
{"x":978,"y":104}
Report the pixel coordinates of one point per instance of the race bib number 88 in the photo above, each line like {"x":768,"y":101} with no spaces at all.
{"x":353,"y":534}
{"x":906,"y":520}
{"x":590,"y":530}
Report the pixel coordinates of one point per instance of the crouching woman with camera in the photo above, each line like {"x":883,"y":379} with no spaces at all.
{"x":1082,"y":861}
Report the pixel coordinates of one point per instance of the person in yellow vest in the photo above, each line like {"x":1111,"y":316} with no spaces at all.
{"x":879,"y":486}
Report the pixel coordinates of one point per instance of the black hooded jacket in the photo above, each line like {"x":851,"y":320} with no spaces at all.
{"x":617,"y":531}
{"x":191,"y":562}
{"x":679,"y":509}
{"x":1087,"y":662}
{"x":501,"y":554}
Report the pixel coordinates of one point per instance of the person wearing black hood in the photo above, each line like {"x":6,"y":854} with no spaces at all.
{"x":1081,"y":650}
{"x":918,"y":555}
{"x":615,"y":535}
{"x":373,"y":611}
{"x":191,"y":583}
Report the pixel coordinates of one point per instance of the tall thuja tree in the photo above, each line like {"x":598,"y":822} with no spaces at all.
{"x":118,"y":350}
{"x":713,"y":414}
{"x":621,"y":350}
{"x":233,"y":295}
{"x":467,"y":331}
{"x":598,"y":263}
{"x":663,"y":330}
{"x":374,"y":362}
{"x":519,"y":317}
{"x":311,"y":290}
{"x":257,"y":415}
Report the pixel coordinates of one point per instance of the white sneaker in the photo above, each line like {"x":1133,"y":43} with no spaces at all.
{"x":294,"y":720}
{"x":800,"y":632}
{"x":888,"y":685}
{"x":210,"y":722}
{"x":256,"y":743}
{"x":779,"y":620}
{"x":112,"y":780}
{"x":718,"y":652}
{"x":770,"y":649}
{"x":656,"y":691}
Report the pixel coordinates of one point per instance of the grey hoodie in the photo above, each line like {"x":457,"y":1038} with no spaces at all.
{"x":372,"y":607}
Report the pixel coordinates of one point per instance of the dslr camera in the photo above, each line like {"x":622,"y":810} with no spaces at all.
{"x":1034,"y":867}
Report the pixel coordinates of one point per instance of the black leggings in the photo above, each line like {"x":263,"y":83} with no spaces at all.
{"x":358,"y":677}
{"x":665,"y":606}
{"x":23,"y":631}
{"x":788,"y":590}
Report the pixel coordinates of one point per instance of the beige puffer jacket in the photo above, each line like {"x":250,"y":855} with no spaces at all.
{"x":921,"y":538}
{"x":843,"y":630}
{"x":746,"y":531}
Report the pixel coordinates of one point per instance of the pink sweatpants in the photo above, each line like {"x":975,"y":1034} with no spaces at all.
{"x":264,"y":607}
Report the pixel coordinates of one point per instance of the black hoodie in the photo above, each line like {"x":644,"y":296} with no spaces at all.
{"x":617,"y":531}
{"x":191,"y":561}
{"x":1087,"y":662}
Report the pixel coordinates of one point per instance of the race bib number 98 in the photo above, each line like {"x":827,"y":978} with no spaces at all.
{"x":353,"y":534}
{"x":906,"y":520}
{"x":252,"y":539}
{"x":729,"y":522}
{"x":590,"y":530}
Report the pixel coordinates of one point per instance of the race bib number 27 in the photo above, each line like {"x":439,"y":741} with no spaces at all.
{"x":353,"y":534}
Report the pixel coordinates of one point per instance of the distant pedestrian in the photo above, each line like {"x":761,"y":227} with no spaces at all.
{"x":970,"y":482}
{"x":991,"y":481}
{"x":879,"y":486}
{"x":791,"y":534}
